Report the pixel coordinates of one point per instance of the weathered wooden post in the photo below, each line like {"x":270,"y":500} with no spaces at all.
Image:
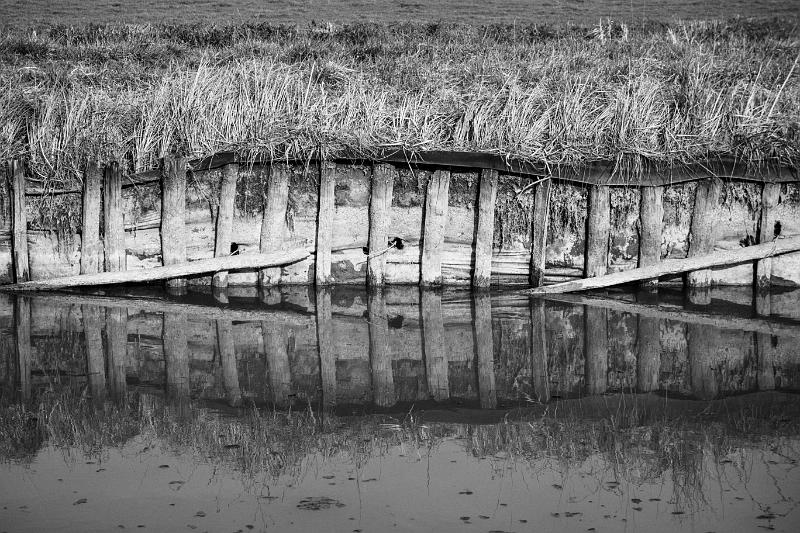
{"x":436,"y":364}
{"x":598,"y":228}
{"x":173,"y":215}
{"x":19,"y":222}
{"x":22,"y":339}
{"x":541,"y":216}
{"x":117,"y":350}
{"x":484,"y":235}
{"x":91,"y":247}
{"x":380,"y":208}
{"x":540,"y":375}
{"x":648,"y":357}
{"x":113,"y":223}
{"x":436,"y":208}
{"x":276,"y":338}
{"x":326,"y":346}
{"x":95,"y":357}
{"x":770,"y":195}
{"x":227,"y":356}
{"x":379,"y":357}
{"x":595,"y":336}
{"x":702,"y":234}
{"x":222,"y":239}
{"x":273,"y":225}
{"x":176,"y":355}
{"x":325,"y":213}
{"x":484,"y":348}
{"x":651,"y":219}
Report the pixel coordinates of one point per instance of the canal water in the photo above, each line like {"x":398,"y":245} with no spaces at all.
{"x":337,"y":410}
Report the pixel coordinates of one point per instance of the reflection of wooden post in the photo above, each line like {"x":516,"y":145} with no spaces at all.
{"x":380,"y":208}
{"x":436,"y":364}
{"x":19,"y":223}
{"x":540,"y":377}
{"x":700,"y":345}
{"x":220,"y":294}
{"x":277,"y":356}
{"x":176,"y":355}
{"x":436,"y":208}
{"x":227,"y":356}
{"x":598,"y":227}
{"x":173,"y":215}
{"x":766,"y":231}
{"x":484,"y":235}
{"x":113,"y":223}
{"x":651,"y":219}
{"x":379,"y":357}
{"x":22,"y":330}
{"x":326,"y":346}
{"x":648,"y":357}
{"x":595,"y":349}
{"x":91,"y":247}
{"x":541,"y":216}
{"x":227,"y":200}
{"x":699,"y":295}
{"x":116,"y":350}
{"x":484,"y":347}
{"x":273,"y":225}
{"x":325,"y":213}
{"x":95,"y":358}
{"x":766,"y":361}
{"x":702,"y":234}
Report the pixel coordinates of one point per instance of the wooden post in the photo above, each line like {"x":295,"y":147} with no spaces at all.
{"x":540,"y":375}
{"x":484,"y":235}
{"x":227,"y":356}
{"x":379,"y":357}
{"x":273,"y":225}
{"x":702,"y":234}
{"x":22,"y":339}
{"x":595,"y":349}
{"x":541,"y":217}
{"x":173,"y":215}
{"x":436,"y":207}
{"x":651,"y":219}
{"x":648,"y":357}
{"x":276,"y":338}
{"x":598,"y":228}
{"x":113,"y":223}
{"x":176,"y":355}
{"x":436,"y":364}
{"x":95,"y":356}
{"x":325,"y":213}
{"x":380,"y":208}
{"x":117,"y":349}
{"x":326,"y":347}
{"x":19,"y":221}
{"x":770,"y":195}
{"x":91,"y":247}
{"x":484,"y":348}
{"x":227,"y":200}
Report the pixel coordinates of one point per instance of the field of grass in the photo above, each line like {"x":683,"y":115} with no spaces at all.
{"x":562,"y":95}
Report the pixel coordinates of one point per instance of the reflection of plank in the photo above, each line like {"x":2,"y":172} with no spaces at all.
{"x":22,"y":329}
{"x":433,"y":339}
{"x":95,"y":359}
{"x":227,"y":355}
{"x":484,"y":344}
{"x":116,"y":349}
{"x":326,"y":343}
{"x":595,"y":349}
{"x":379,"y":357}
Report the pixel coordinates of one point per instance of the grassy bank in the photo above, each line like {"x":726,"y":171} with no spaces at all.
{"x":560,"y":95}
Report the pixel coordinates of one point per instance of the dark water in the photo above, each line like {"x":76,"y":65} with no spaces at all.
{"x":304,"y":11}
{"x":403,"y":409}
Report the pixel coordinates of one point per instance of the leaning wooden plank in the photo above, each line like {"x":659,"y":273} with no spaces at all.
{"x":677,"y":266}
{"x":194,"y":268}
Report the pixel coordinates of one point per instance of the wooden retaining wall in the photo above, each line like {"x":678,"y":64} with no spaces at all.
{"x":365,"y":224}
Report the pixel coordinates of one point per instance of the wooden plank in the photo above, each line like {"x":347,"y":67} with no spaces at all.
{"x":539,"y":355}
{"x":436,"y":208}
{"x":326,"y":346}
{"x":484,"y":235}
{"x":19,"y":222}
{"x":484,"y":349}
{"x":598,"y":228}
{"x":95,"y":356}
{"x":227,"y":357}
{"x":276,"y":339}
{"x":379,"y":357}
{"x":702,"y":234}
{"x":273,"y":226}
{"x":325,"y":213}
{"x":173,"y":215}
{"x":202,"y":266}
{"x":651,"y":219}
{"x":648,"y":353}
{"x":595,"y":335}
{"x":380,"y":208}
{"x":117,"y":350}
{"x":436,"y":363}
{"x":224,"y":226}
{"x":113,"y":221}
{"x":176,"y":355}
{"x":770,"y":196}
{"x":677,"y":266}
{"x":541,"y":216}
{"x":22,"y":341}
{"x":91,"y":246}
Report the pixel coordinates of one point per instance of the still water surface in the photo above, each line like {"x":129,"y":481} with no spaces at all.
{"x":404,"y":409}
